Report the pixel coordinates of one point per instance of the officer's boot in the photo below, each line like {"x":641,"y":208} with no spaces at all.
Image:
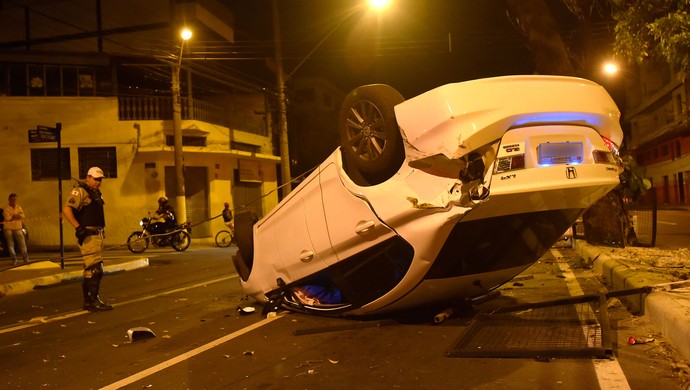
{"x":100,"y":305}
{"x":92,"y":286}
{"x":87,"y":296}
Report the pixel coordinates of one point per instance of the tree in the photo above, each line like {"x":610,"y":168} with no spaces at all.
{"x":653,"y":29}
{"x":606,"y":221}
{"x":534,"y":20}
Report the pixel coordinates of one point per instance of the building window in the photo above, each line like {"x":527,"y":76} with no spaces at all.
{"x":36,"y":80}
{"x":187,"y":140}
{"x":53,"y":80}
{"x":102,"y":157}
{"x":245,"y":147}
{"x":44,"y":164}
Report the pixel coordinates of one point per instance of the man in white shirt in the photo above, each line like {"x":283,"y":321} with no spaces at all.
{"x":13,"y":214}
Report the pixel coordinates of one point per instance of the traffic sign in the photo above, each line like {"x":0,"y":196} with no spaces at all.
{"x":43,"y":134}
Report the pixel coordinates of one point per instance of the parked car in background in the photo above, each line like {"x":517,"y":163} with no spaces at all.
{"x":435,"y":199}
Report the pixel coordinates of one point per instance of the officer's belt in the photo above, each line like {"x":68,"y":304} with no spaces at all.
{"x":94,"y":230}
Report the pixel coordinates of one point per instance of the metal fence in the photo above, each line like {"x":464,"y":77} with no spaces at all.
{"x":160,"y":108}
{"x":139,"y":107}
{"x":643,"y":217}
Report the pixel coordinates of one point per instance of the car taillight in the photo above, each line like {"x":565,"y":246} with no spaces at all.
{"x":603,"y":157}
{"x":609,"y":144}
{"x":510,"y":163}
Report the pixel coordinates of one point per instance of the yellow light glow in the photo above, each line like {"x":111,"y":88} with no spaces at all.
{"x":610,"y":68}
{"x":186,"y":34}
{"x":379,"y":4}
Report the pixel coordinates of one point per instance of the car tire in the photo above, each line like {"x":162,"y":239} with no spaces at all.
{"x":370,"y":138}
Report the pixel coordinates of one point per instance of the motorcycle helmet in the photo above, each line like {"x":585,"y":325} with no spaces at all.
{"x":162,"y":200}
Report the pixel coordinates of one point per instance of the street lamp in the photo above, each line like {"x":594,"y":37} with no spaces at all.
{"x":281,"y":79}
{"x":611,"y":68}
{"x":177,"y":131}
{"x":379,"y":4}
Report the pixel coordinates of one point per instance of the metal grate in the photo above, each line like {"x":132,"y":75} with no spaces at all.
{"x":571,"y":330}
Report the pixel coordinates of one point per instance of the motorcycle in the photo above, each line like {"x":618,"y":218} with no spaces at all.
{"x":160,"y":234}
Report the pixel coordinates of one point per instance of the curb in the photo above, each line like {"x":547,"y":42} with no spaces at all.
{"x":669,"y":321}
{"x":24,"y":286}
{"x":669,"y":310}
{"x":619,"y":276}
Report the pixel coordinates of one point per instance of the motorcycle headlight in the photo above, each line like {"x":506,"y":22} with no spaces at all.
{"x":141,"y":223}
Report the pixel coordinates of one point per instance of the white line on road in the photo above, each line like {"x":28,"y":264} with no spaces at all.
{"x":187,"y":355}
{"x":609,"y":372}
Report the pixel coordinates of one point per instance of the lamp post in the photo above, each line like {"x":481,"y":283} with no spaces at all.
{"x":280,"y":81}
{"x":177,"y":132}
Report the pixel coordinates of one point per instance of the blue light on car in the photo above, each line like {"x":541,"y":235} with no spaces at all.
{"x":557,"y":117}
{"x":543,"y":165}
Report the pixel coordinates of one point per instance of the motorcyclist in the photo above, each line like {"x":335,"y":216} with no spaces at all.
{"x":164,"y":217}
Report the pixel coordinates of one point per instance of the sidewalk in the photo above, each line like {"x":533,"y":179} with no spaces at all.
{"x":667,"y":305}
{"x":46,"y":270}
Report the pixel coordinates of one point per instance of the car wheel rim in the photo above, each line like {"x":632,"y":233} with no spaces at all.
{"x":365,"y":131}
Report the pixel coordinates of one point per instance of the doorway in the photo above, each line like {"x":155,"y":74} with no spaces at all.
{"x":246,"y":196}
{"x":681,"y":188}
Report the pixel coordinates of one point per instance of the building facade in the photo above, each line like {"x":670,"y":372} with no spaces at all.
{"x":100,"y":70}
{"x":659,"y":122}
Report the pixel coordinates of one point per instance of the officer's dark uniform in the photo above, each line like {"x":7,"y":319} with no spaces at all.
{"x":87,"y":204}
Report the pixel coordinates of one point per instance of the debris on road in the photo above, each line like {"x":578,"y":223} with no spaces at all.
{"x":639,"y":340}
{"x":140,"y":333}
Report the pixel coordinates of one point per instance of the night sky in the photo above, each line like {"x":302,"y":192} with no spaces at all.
{"x":415,"y":45}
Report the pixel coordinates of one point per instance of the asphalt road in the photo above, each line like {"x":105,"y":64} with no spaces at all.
{"x":673,"y":229}
{"x":190,"y":300}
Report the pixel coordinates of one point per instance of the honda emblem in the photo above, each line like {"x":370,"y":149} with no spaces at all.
{"x":570,"y":173}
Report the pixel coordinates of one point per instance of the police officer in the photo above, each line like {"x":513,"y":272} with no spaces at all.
{"x":84,"y":211}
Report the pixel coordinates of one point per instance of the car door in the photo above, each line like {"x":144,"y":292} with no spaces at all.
{"x":283,"y":240}
{"x":352,"y":226}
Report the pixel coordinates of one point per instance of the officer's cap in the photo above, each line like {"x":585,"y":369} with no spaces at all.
{"x":95,"y":172}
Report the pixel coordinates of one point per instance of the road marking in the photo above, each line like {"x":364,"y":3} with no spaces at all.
{"x":666,"y":223}
{"x":59,"y":317}
{"x":187,"y":355}
{"x":608,"y":371}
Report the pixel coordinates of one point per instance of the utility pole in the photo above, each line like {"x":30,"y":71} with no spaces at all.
{"x":282,"y":106}
{"x":180,"y":196}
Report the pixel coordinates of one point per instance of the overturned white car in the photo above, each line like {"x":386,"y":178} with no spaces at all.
{"x":435,"y":199}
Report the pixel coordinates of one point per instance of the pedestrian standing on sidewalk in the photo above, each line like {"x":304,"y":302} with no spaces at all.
{"x":84,"y":211}
{"x":13,"y":215}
